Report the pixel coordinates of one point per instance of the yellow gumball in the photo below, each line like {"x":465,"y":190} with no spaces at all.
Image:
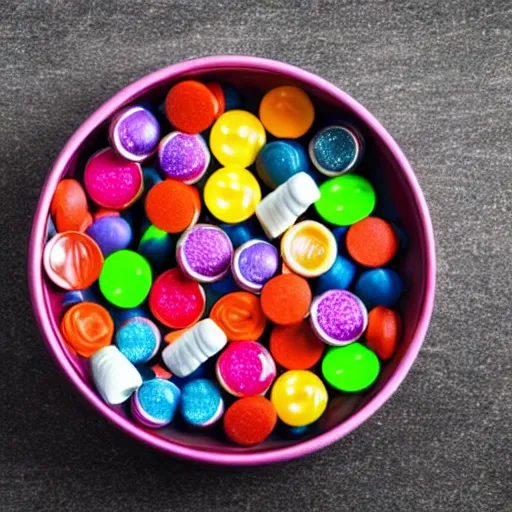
{"x":299,"y":397}
{"x":236,"y":138}
{"x":231,"y":194}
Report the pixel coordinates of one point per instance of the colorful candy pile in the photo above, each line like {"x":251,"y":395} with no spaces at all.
{"x":214,"y":282}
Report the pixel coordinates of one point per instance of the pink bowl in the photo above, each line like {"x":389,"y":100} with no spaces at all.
{"x":403,"y":199}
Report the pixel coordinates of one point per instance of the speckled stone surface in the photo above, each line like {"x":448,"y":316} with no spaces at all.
{"x":438,"y":75}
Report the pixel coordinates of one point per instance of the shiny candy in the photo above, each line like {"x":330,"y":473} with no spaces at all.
{"x":126,"y":279}
{"x":379,"y":287}
{"x":157,"y":246}
{"x":241,"y":232}
{"x":218,"y":92}
{"x":236,"y":138}
{"x":69,"y":207}
{"x":351,"y":368}
{"x":111,"y":233}
{"x":254,"y":263}
{"x":134,"y":133}
{"x":155,"y":403}
{"x":151,"y":178}
{"x":232,"y":194}
{"x":201,"y":404}
{"x":112,"y":181}
{"x":299,"y":397}
{"x":138,"y":339}
{"x":339,"y":276}
{"x":72,"y":260}
{"x":183,"y":157}
{"x":309,"y":248}
{"x":383,"y":332}
{"x":345,"y":200}
{"x":75,"y":296}
{"x":120,"y":315}
{"x":338,"y":317}
{"x":245,"y":368}
{"x":204,"y":253}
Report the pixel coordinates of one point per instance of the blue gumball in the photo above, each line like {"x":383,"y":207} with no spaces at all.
{"x":339,"y":276}
{"x":379,"y":287}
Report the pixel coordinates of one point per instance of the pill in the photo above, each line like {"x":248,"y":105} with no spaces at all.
{"x":240,"y":316}
{"x":309,"y":249}
{"x":338,"y":317}
{"x":114,"y":376}
{"x":111,"y":233}
{"x":204,"y":253}
{"x":231,"y":194}
{"x":253,"y":264}
{"x":125,"y":279}
{"x":290,"y":290}
{"x":194,"y":347}
{"x":183,"y":157}
{"x":379,"y":287}
{"x":111,"y":181}
{"x":296,"y":347}
{"x":201,"y":404}
{"x":281,"y":208}
{"x":287,"y":112}
{"x":69,"y":207}
{"x":335,"y":150}
{"x":339,"y":276}
{"x":345,"y":200}
{"x":173,"y":206}
{"x":350,"y":368}
{"x":87,"y":327}
{"x":217,"y":90}
{"x":383,"y":332}
{"x":236,"y":138}
{"x":299,"y":397}
{"x":72,"y":260}
{"x":250,"y":420}
{"x":154,"y":404}
{"x":372,"y":242}
{"x":190,"y":106}
{"x":245,"y":368}
{"x":138,"y":339}
{"x":134,"y":133}
{"x":175,"y":300}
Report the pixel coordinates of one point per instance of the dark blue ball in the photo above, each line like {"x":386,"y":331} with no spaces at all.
{"x":339,"y":276}
{"x":379,"y":287}
{"x":232,"y":97}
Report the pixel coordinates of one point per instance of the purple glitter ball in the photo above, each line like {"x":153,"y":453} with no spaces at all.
{"x":338,"y":317}
{"x":134,"y":133}
{"x":254,"y":263}
{"x":183,"y":157}
{"x":111,"y":233}
{"x":204,"y":253}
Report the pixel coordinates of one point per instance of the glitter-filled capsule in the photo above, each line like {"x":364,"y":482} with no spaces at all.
{"x":138,"y":339}
{"x":201,"y":403}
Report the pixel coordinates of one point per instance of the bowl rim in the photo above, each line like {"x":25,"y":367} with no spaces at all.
{"x":38,"y":234}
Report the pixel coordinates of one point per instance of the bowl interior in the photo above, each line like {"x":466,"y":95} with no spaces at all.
{"x":398,"y":201}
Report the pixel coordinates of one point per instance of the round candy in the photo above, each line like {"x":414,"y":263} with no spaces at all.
{"x":309,"y":248}
{"x":232,"y":194}
{"x":183,"y":157}
{"x":338,"y":317}
{"x":151,"y":178}
{"x":87,"y":327}
{"x":335,"y":150}
{"x":218,"y":92}
{"x":339,"y":276}
{"x":285,"y":299}
{"x":112,"y":181}
{"x":240,"y":316}
{"x":120,"y":315}
{"x":287,"y":112}
{"x":72,"y":260}
{"x":250,"y":420}
{"x":175,"y":300}
{"x":279,"y":160}
{"x":383,"y":332}
{"x":254,"y":263}
{"x":236,"y":138}
{"x":345,"y":200}
{"x":204,"y":253}
{"x":157,"y":246}
{"x":241,"y":232}
{"x":126,"y":278}
{"x":351,"y":368}
{"x":372,"y":242}
{"x":69,"y":207}
{"x":245,"y":368}
{"x":173,"y":206}
{"x":154,"y":404}
{"x":299,"y":397}
{"x":379,"y":287}
{"x":201,"y":404}
{"x":111,"y":233}
{"x":134,"y":133}
{"x":190,"y":106}
{"x":75,"y":296}
{"x":232,"y":97}
{"x":138,"y":339}
{"x":296,"y":347}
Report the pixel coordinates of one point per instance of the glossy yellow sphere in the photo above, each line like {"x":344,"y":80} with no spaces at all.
{"x":299,"y":397}
{"x":232,"y":194}
{"x":236,"y":138}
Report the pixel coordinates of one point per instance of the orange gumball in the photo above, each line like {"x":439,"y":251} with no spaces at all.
{"x":383,"y":331}
{"x":87,"y":327}
{"x":69,"y":207}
